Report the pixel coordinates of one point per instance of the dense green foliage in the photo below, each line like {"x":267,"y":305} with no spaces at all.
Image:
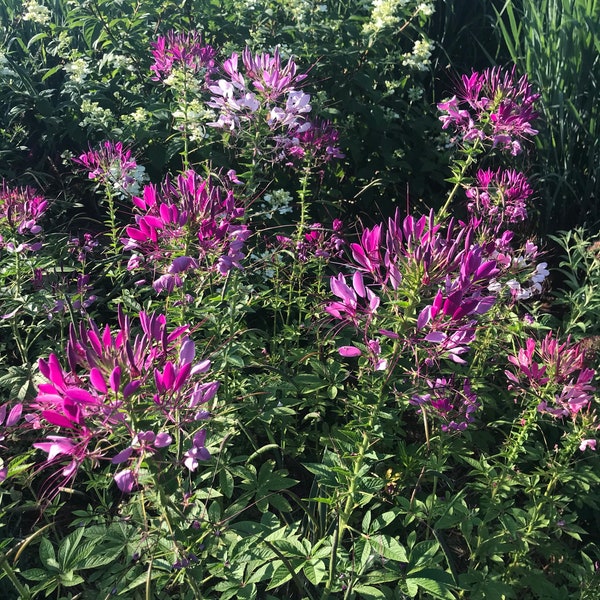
{"x":275,"y":322}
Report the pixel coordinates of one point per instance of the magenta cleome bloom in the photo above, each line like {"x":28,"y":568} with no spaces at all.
{"x":316,"y":141}
{"x":126,"y":480}
{"x":557,"y":373}
{"x":493,"y":107}
{"x":197,"y":452}
{"x":183,"y":51}
{"x":589,"y":443}
{"x":269,"y":76}
{"x":184,"y":225}
{"x":499,"y":196}
{"x":20,"y":209}
{"x":92,"y":410}
{"x":112,"y":164}
{"x":455,"y":408}
{"x":270,"y":94}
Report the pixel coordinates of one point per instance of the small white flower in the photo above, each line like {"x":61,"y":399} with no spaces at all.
{"x":36,"y":13}
{"x":77,"y":70}
{"x":419,"y":59}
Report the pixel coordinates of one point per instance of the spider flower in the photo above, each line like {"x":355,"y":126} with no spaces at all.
{"x":112,"y":376}
{"x":556,"y":372}
{"x":499,"y":196}
{"x":455,"y":408}
{"x":112,"y":164}
{"x":180,"y":51}
{"x":493,"y":106}
{"x":20,"y":209}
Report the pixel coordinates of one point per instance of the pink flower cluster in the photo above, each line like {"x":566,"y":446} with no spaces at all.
{"x":453,"y":407}
{"x":265,"y":92}
{"x":416,"y":251}
{"x":521,"y":275}
{"x":111,"y":163}
{"x":115,"y":382}
{"x":260,"y":92}
{"x":21,"y":209}
{"x":317,"y":243}
{"x":180,"y":51}
{"x":493,"y":106}
{"x":402,"y":265}
{"x":551,"y":368}
{"x":185,"y":225}
{"x":499,"y":196}
{"x":319,"y":142}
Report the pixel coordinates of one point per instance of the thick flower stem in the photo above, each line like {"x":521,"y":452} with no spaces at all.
{"x":9,"y":572}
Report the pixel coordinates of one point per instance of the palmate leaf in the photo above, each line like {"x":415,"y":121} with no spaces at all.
{"x":315,"y":571}
{"x":283,"y":574}
{"x":388,"y":547}
{"x":436,"y":582}
{"x":368,"y":592}
{"x":47,"y":554}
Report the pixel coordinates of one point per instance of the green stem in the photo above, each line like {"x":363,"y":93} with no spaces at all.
{"x":350,"y":503}
{"x":8,"y":570}
{"x":471,"y":153}
{"x":295,"y":286}
{"x":303,"y":194}
{"x":112,"y":221}
{"x":186,"y":152}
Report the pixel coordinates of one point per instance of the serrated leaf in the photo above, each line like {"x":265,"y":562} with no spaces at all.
{"x":235,"y":360}
{"x":435,"y":581}
{"x":35,"y":574}
{"x":368,"y":592}
{"x":389,"y":547}
{"x":315,"y":571}
{"x":383,"y":520}
{"x":138,"y":581}
{"x":422,"y":553}
{"x":282,"y":574}
{"x":47,"y":551}
{"x":289,"y":547}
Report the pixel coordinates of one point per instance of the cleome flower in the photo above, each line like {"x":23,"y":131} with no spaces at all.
{"x":91,"y":412}
{"x":183,"y":225}
{"x":556,"y":372}
{"x":493,"y":107}
{"x":499,"y":196}
{"x":183,"y":51}
{"x":21,"y":209}
{"x":455,"y":408}
{"x":113,"y":164}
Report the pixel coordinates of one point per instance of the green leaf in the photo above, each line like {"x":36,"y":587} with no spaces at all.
{"x":47,"y":553}
{"x":423,"y":553}
{"x":282,"y":573}
{"x":289,"y":547}
{"x":235,"y":360}
{"x":315,"y":571}
{"x":70,"y":578}
{"x":389,"y":547}
{"x":435,"y":581}
{"x":369,"y":592}
{"x":35,"y":574}
{"x":383,"y":520}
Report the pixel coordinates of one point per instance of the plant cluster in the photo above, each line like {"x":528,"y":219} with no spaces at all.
{"x":221,"y":387}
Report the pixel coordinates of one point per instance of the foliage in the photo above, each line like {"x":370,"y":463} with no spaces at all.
{"x":216,"y":386}
{"x":577,"y":300}
{"x":556,"y":42}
